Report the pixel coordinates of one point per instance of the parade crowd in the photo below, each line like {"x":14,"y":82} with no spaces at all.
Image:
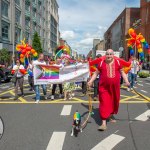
{"x":106,"y":81}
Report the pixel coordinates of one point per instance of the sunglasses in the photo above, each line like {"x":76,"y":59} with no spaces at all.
{"x":109,"y":53}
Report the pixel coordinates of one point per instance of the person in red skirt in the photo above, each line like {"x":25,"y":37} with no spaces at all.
{"x":110,"y":71}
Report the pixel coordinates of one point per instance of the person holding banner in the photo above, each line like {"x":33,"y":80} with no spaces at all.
{"x":60,"y":65}
{"x":40,"y":61}
{"x":68,"y":86}
{"x":109,"y":70}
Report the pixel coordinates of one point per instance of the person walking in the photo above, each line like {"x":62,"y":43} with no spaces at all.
{"x":58,"y":64}
{"x":109,"y":87}
{"x":40,"y":61}
{"x":132,"y":73}
{"x":30,"y":76}
{"x":18,"y":70}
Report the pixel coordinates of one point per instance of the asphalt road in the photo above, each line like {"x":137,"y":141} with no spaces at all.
{"x":47,"y":126}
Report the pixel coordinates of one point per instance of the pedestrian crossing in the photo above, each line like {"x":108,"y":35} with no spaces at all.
{"x":109,"y":142}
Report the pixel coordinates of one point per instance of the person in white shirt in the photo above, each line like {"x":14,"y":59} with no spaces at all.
{"x":40,"y":61}
{"x":132,"y":73}
{"x":19,"y":76}
{"x":30,"y":75}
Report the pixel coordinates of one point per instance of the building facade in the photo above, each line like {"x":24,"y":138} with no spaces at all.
{"x":116,"y":35}
{"x":19,"y":19}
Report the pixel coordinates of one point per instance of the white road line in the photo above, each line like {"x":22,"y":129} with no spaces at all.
{"x":140,"y":84}
{"x":66,"y":110}
{"x":135,"y":87}
{"x":147,"y":83}
{"x":109,"y":142}
{"x":56,"y":142}
{"x":144,"y":116}
{"x":140,"y":81}
{"x":143,"y":91}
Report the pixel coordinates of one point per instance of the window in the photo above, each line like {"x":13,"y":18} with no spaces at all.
{"x":27,"y":35}
{"x":27,"y":7}
{"x":27,"y":23}
{"x":17,"y":2}
{"x":34,"y":13}
{"x":17,"y":35}
{"x":17,"y":16}
{"x":5,"y":7}
{"x":5,"y":30}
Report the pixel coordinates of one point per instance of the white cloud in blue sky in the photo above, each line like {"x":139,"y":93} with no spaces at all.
{"x":82,"y":20}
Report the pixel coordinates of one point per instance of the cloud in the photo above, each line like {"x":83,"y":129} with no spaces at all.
{"x":68,"y":35}
{"x":88,"y":19}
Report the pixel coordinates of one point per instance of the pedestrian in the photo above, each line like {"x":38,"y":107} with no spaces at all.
{"x":69,"y":87}
{"x":60,"y":65}
{"x":18,"y":70}
{"x":40,"y":61}
{"x":30,"y":75}
{"x":96,"y":82}
{"x":132,"y":73}
{"x":109,"y":87}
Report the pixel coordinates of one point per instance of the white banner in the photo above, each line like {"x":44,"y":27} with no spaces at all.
{"x":45,"y":74}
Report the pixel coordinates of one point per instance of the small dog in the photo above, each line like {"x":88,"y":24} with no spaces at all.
{"x":76,"y":126}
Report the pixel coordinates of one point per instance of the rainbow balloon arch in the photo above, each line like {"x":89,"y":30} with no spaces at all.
{"x":137,"y":42}
{"x":25,"y":51}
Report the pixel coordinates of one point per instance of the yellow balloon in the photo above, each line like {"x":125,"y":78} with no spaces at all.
{"x":140,"y":50}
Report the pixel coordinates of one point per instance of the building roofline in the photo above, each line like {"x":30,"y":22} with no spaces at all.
{"x":119,"y":16}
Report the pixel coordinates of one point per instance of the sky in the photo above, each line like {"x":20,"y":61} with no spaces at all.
{"x":80,"y":21}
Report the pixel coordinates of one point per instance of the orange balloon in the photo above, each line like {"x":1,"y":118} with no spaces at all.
{"x":32,"y":51}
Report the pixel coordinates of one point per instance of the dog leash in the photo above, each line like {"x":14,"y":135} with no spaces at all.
{"x":90,"y":109}
{"x":143,"y":96}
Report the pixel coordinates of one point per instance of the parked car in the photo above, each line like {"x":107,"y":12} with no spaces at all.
{"x":5,"y":74}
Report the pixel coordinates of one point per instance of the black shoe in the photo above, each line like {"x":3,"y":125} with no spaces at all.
{"x":22,"y":95}
{"x":16,"y":98}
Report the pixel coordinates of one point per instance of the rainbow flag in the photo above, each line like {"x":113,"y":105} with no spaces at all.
{"x":49,"y":72}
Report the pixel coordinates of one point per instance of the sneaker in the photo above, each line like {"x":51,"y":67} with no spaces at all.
{"x":73,"y":94}
{"x":128,"y":89}
{"x":102,"y":128}
{"x":70,"y":97}
{"x":37,"y":101}
{"x":60,"y":95}
{"x":95,"y":98}
{"x":45,"y":97}
{"x":131,"y":89}
{"x":52,"y":97}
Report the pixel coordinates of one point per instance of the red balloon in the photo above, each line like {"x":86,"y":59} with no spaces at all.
{"x":23,"y":51}
{"x":148,"y":51}
{"x":21,"y":47}
{"x":28,"y":48}
{"x":133,"y":35}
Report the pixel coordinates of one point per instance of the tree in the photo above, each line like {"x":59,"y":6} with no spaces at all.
{"x":36,"y":43}
{"x":4,"y":55}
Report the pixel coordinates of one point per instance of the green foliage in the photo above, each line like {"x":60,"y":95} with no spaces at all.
{"x":143,"y":74}
{"x":4,"y":55}
{"x":36,"y":43}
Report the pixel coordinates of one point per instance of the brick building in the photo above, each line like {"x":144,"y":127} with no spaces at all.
{"x":116,"y":35}
{"x":145,"y":22}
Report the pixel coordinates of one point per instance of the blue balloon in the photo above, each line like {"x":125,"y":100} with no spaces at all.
{"x":146,"y":46}
{"x":141,"y":54}
{"x":131,"y":52}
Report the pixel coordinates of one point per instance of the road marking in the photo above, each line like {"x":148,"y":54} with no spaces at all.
{"x":140,"y":81}
{"x":56,"y":142}
{"x":132,"y":97}
{"x":147,"y":83}
{"x":144,"y":116}
{"x":140,"y":84}
{"x":143,"y":91}
{"x":109,"y":142}
{"x":20,"y":98}
{"x":135,"y":87}
{"x":66,"y":110}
